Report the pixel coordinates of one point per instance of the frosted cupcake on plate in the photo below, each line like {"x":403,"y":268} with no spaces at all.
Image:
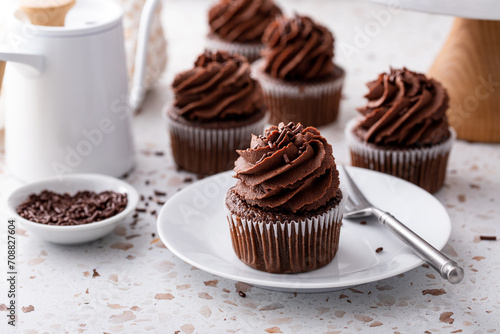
{"x":217,"y":107}
{"x":285,"y":212}
{"x":403,"y":130}
{"x":301,"y":83}
{"x":237,"y":26}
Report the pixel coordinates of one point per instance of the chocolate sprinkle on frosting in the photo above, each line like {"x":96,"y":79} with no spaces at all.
{"x":299,"y":49}
{"x":288,"y":168}
{"x":405,"y":109}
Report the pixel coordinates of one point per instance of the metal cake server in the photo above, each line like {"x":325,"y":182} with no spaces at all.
{"x":358,"y":206}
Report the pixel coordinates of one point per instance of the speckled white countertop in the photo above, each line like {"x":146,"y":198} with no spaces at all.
{"x":128,"y":282}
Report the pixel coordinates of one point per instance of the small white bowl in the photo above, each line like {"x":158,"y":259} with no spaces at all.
{"x":74,"y":234}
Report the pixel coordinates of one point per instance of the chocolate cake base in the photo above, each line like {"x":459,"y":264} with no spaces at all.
{"x":280,"y":242}
{"x":312,"y":104}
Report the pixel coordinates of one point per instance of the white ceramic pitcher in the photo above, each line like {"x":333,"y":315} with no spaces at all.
{"x":67,"y":101}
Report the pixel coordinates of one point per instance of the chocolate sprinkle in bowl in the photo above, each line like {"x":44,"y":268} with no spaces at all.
{"x":73,"y":209}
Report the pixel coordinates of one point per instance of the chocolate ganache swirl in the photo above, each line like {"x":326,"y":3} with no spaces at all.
{"x":242,"y":21}
{"x":404,"y":109}
{"x":219,"y":87}
{"x":289,"y":168}
{"x":297,"y":48}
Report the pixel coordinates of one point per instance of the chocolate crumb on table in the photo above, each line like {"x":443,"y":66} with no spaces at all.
{"x":362,"y":222}
{"x":95,"y":274}
{"x":160,"y":193}
{"x":242,"y":294}
{"x":84,"y":207}
{"x":488,"y":237}
{"x":378,"y":250}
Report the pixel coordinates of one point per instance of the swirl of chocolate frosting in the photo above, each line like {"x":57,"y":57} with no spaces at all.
{"x":289,"y":168}
{"x":297,"y":48}
{"x":219,"y":87}
{"x":404,"y":109}
{"x":242,"y":21}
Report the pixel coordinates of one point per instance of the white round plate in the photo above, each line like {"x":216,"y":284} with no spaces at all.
{"x":192,"y":224}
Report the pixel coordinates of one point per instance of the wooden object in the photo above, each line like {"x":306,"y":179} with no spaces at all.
{"x":47,"y":12}
{"x":2,"y":71}
{"x":469,"y":67}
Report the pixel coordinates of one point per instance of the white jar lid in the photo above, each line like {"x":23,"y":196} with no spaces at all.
{"x":85,"y":18}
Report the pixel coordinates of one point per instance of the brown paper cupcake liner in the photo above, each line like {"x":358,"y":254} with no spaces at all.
{"x":287,"y":247}
{"x":208,"y":151}
{"x":425,"y":167}
{"x":312,"y":104}
{"x":250,"y":50}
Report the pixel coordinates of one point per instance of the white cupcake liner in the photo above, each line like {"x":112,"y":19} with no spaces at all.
{"x":206,"y":150}
{"x":312,"y":104}
{"x":425,"y":167}
{"x":250,"y":50}
{"x":261,"y":244}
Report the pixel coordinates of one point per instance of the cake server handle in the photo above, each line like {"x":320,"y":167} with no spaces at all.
{"x":446,"y":267}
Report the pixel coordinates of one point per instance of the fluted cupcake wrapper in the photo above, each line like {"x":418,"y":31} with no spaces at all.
{"x":425,"y":167}
{"x":250,"y":50}
{"x":312,"y":104}
{"x":287,"y":247}
{"x":208,"y":151}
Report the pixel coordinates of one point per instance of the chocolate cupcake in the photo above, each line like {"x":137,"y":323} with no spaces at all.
{"x":300,"y":81}
{"x":285,"y":212}
{"x":404,"y":130}
{"x":217,"y":107}
{"x":237,"y":26}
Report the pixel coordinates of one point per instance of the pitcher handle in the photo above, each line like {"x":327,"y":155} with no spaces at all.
{"x":138,"y":90}
{"x":33,"y":60}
